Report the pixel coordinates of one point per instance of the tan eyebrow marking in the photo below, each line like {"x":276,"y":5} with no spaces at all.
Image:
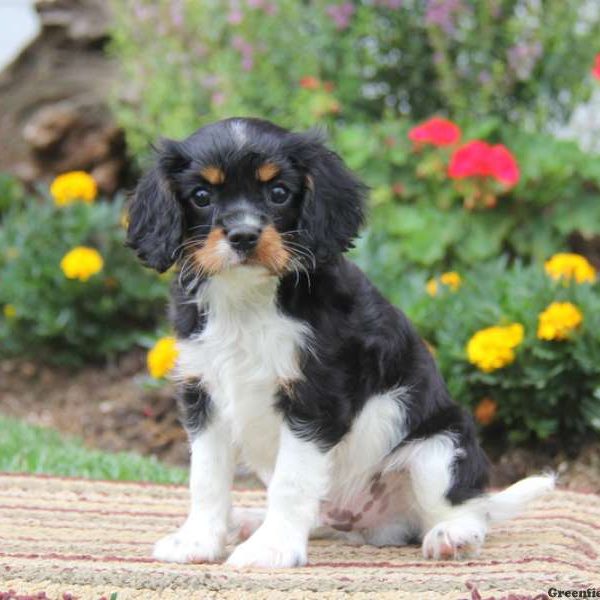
{"x":267,"y":171}
{"x":213,"y":175}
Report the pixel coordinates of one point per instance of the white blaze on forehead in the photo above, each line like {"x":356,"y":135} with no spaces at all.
{"x":238,"y":132}
{"x":250,"y":221}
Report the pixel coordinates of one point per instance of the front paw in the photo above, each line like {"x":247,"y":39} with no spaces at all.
{"x":269,"y":550}
{"x":190,"y":544}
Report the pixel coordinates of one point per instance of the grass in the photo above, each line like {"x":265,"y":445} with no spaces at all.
{"x":31,"y":449}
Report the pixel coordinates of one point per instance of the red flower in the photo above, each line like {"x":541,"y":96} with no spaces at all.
{"x":503,"y":164}
{"x":479,"y":159}
{"x":596,"y":68}
{"x":435,"y":131}
{"x":308,"y":82}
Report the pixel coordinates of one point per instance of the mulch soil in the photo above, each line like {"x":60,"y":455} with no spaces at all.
{"x":111,"y":409}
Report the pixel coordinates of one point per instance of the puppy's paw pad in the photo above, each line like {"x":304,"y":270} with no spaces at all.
{"x":186,"y":547}
{"x":267,"y":555}
{"x":453,"y":540}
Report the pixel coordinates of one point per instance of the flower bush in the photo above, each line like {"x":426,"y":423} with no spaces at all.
{"x":439,"y":208}
{"x":71,"y":292}
{"x":519,"y":348}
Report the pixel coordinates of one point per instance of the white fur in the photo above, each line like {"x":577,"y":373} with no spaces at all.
{"x":300,"y":479}
{"x":508,"y":503}
{"x":238,"y":132}
{"x":247,"y":348}
{"x":204,"y":533}
{"x":374,"y":433}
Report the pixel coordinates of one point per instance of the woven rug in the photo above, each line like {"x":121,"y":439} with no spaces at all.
{"x":70,"y":538}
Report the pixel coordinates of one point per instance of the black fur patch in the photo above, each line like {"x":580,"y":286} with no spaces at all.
{"x":194,"y":406}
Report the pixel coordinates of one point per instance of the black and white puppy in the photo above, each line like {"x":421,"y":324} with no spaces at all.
{"x":291,"y":361}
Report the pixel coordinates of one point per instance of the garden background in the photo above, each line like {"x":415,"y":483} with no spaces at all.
{"x":470,"y":122}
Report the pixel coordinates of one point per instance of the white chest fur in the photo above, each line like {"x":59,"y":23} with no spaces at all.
{"x":245,"y":352}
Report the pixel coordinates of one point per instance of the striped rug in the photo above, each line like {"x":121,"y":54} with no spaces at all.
{"x":68,"y":538}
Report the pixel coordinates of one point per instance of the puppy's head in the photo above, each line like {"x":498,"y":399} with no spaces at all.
{"x":245,"y":192}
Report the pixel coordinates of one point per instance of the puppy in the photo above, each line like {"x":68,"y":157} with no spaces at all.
{"x":291,"y":361}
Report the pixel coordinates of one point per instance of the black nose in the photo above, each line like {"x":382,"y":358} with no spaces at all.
{"x":244,"y":237}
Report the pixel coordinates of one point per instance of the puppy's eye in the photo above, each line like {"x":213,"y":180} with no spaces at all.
{"x":201,"y":197}
{"x":279,"y":195}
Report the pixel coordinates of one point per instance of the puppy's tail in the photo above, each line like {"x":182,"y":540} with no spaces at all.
{"x":508,"y":503}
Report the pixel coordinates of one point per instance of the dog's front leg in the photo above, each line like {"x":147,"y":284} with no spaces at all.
{"x":203,"y":535}
{"x":299,"y":482}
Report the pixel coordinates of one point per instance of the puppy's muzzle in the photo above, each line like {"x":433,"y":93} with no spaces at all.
{"x":244,"y":238}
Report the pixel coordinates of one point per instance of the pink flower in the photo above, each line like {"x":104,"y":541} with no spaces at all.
{"x":235,"y":17}
{"x":596,"y":68}
{"x":218,"y":98}
{"x":340,"y":14}
{"x":480,"y":159}
{"x":435,"y":131}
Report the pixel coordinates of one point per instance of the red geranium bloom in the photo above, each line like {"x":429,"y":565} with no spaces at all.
{"x":596,"y":68}
{"x":436,"y":131}
{"x":308,"y":82}
{"x":503,"y":165}
{"x":479,"y":159}
{"x":470,"y":160}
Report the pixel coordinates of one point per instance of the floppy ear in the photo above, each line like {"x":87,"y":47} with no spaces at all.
{"x":155,"y":216}
{"x":334,"y":203}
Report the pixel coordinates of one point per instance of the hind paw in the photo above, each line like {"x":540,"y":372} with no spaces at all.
{"x":454,"y":539}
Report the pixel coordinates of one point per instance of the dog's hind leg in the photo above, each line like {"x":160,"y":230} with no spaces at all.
{"x":447,"y":530}
{"x":454,"y":514}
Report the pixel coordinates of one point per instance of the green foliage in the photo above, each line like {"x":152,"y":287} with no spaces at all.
{"x":421,"y":220}
{"x":29,"y":449}
{"x":524,"y":62}
{"x":12,"y":193}
{"x":553,"y":387}
{"x":60,"y":320}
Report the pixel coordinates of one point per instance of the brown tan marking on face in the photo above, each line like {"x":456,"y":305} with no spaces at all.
{"x":213,"y":175}
{"x":271,"y":252}
{"x":209,"y":259}
{"x":267,"y":171}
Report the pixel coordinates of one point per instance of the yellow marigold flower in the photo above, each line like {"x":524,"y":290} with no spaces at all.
{"x":81,"y":263}
{"x":432,"y":287}
{"x":72,"y":187}
{"x":568,"y":266}
{"x":485,"y":411}
{"x":494,"y":347}
{"x":558,"y":321}
{"x":162,"y":357}
{"x":9,"y":311}
{"x":450,"y":279}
